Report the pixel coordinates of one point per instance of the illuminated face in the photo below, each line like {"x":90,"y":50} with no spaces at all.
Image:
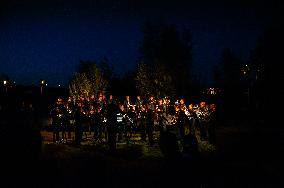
{"x":181,"y":101}
{"x":202,"y":104}
{"x":177,"y":108}
{"x":121,"y":107}
{"x":101,"y":97}
{"x":59,"y":101}
{"x":213,"y":107}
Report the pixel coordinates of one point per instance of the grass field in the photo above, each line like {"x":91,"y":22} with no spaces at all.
{"x":245,"y":156}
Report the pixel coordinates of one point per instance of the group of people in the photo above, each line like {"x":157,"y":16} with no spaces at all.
{"x":121,"y":120}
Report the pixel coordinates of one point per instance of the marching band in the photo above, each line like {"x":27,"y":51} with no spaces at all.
{"x":142,"y":118}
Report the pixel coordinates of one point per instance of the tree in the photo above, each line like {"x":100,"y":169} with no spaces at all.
{"x":169,"y":49}
{"x":128,"y":83}
{"x":153,"y":79}
{"x":163,"y":84}
{"x":107,"y":71}
{"x":88,"y":80}
{"x":267,"y":68}
{"x":143,"y":80}
{"x":230,"y":67}
{"x":230,"y":82}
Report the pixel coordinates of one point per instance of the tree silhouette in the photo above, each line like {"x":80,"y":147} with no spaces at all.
{"x":266,"y":68}
{"x":88,"y":80}
{"x":144,"y":79}
{"x":153,"y":79}
{"x":170,"y":49}
{"x":127,"y":86}
{"x":108,"y":73}
{"x":230,"y":80}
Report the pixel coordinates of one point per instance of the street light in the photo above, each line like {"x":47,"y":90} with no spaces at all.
{"x":246,"y":72}
{"x":42,"y":84}
{"x":5,"y":85}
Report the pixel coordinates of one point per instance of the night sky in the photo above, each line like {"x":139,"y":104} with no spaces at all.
{"x":47,"y":39}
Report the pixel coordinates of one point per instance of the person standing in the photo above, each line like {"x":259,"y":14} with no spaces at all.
{"x":213,"y":121}
{"x":111,"y":115}
{"x":79,"y":119}
{"x":56,"y":121}
{"x":138,"y":104}
{"x":152,"y":102}
{"x":150,"y":124}
{"x":143,"y":123}
{"x":182,"y":119}
{"x":127,"y":103}
{"x":203,"y":116}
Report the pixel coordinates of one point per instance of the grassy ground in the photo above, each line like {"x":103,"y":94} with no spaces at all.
{"x":246,"y":155}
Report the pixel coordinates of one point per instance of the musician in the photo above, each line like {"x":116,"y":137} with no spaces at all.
{"x":122,"y":119}
{"x":127,"y":103}
{"x":111,"y":100}
{"x":176,"y":105}
{"x":142,"y":123}
{"x":202,"y":113}
{"x":160,"y":106}
{"x":59,"y":120}
{"x":192,"y":119}
{"x":70,"y":104}
{"x":149,"y":124}
{"x":92,"y":100}
{"x":138,"y":110}
{"x":92,"y":117}
{"x":166,"y":102}
{"x":152,"y":102}
{"x":55,"y":115}
{"x":101,"y":103}
{"x":160,"y":114}
{"x":138,"y":103}
{"x":131,"y":125}
{"x":79,"y":120}
{"x":98,"y":123}
{"x":213,"y":121}
{"x":70,"y":107}
{"x":182,"y":118}
{"x":111,"y":116}
{"x":86,"y":104}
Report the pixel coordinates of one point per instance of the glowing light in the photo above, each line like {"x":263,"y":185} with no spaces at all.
{"x":5,"y":82}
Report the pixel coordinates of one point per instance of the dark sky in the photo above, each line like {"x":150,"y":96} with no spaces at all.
{"x":47,"y":39}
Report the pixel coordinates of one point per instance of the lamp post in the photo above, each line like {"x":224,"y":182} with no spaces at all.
{"x":5,"y":85}
{"x":42,"y":84}
{"x":246,"y":72}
